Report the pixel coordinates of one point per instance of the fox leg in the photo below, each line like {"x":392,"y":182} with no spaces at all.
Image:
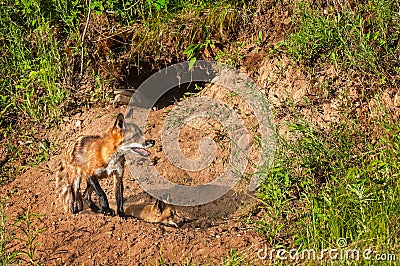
{"x":119,"y":194}
{"x":87,"y":195}
{"x":105,"y":208}
{"x":76,"y":196}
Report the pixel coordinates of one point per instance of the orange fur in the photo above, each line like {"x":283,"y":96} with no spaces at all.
{"x":95,"y":154}
{"x":82,"y":159}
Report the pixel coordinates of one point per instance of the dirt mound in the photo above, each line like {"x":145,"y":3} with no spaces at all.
{"x":210,"y":233}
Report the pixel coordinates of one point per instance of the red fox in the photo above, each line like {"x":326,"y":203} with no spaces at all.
{"x":159,"y":212}
{"x":91,"y":158}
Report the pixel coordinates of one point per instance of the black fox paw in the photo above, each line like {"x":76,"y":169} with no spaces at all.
{"x":75,"y":208}
{"x":94,"y":207}
{"x":121,"y":214}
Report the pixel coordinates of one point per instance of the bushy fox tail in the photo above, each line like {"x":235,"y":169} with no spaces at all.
{"x":64,"y":191}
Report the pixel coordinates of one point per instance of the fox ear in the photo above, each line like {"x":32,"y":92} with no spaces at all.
{"x":160,"y":206}
{"x":119,"y":122}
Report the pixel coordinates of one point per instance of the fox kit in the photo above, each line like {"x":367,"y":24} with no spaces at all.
{"x":159,"y":212}
{"x":92,"y":158}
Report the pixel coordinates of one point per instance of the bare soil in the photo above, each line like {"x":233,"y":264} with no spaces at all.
{"x":208,"y":235}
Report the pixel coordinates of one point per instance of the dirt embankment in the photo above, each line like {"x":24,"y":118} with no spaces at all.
{"x":211,"y":232}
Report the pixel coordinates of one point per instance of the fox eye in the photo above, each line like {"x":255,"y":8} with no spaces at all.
{"x":171,"y":215}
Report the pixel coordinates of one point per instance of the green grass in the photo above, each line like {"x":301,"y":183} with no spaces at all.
{"x":341,"y":182}
{"x":363,"y":37}
{"x":232,"y":259}
{"x":184,"y":27}
{"x":235,"y":259}
{"x":31,"y":94}
{"x":8,"y":257}
{"x":18,"y":238}
{"x":30,"y":65}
